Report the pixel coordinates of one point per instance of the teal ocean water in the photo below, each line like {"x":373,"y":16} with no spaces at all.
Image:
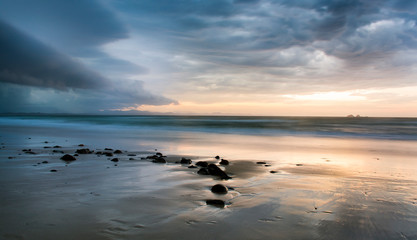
{"x":363,"y":127}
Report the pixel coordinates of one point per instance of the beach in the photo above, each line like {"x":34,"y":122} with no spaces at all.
{"x":312,"y":181}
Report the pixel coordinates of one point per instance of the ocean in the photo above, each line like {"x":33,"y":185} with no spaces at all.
{"x":337,"y":127}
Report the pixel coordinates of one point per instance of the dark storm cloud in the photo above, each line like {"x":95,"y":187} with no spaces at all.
{"x":51,"y":51}
{"x":26,"y":61}
{"x":72,"y":26}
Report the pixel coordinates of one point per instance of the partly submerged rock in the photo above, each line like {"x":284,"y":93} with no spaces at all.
{"x":202,"y":164}
{"x":115,"y":160}
{"x":84,"y":151}
{"x":215,"y":202}
{"x":217,"y":157}
{"x":159,"y":160}
{"x":117,"y":152}
{"x":185,"y":161}
{"x":224,"y":162}
{"x":260,"y":162}
{"x":219,"y":189}
{"x":203,"y":171}
{"x":68,"y":158}
{"x":216,"y":171}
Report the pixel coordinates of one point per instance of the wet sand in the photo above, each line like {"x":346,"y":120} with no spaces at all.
{"x":321,"y":189}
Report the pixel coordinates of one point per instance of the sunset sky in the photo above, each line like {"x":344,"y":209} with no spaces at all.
{"x":222,"y":57}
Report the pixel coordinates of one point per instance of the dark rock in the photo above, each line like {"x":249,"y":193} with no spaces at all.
{"x":185,"y":161}
{"x":202,"y":164}
{"x":99,"y":153}
{"x":57,"y":146}
{"x":217,"y":157}
{"x":11,"y":157}
{"x":203,"y":171}
{"x":158,"y":154}
{"x":80,"y":145}
{"x":219,"y":189}
{"x":216,"y":171}
{"x":46,"y":147}
{"x":260,"y":162}
{"x":152,"y":157}
{"x":26,"y":150}
{"x":68,"y":158}
{"x":131,"y":155}
{"x":30,"y":152}
{"x":159,"y":160}
{"x":84,"y":151}
{"x":76,"y":155}
{"x":115,"y":160}
{"x":215,"y":202}
{"x":46,"y":142}
{"x":298,"y":164}
{"x":224,"y":162}
{"x":108,"y":149}
{"x":53,"y":170}
{"x":267,"y":165}
{"x":131,"y":159}
{"x":58,"y":151}
{"x":117,"y":152}
{"x":273,"y":171}
{"x":44,"y":162}
{"x":192,"y":166}
{"x":108,"y":154}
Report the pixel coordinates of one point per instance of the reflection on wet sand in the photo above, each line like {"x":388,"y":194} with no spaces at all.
{"x":281,"y":188}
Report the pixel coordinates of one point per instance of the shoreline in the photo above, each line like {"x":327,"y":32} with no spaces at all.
{"x":303,"y":188}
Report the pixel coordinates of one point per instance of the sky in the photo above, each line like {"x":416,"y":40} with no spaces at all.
{"x":213,"y":57}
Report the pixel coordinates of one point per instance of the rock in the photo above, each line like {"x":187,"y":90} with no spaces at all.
{"x":299,"y":164}
{"x":267,"y":165}
{"x":99,"y":153}
{"x":158,"y":154}
{"x":185,"y":161}
{"x":217,"y":157}
{"x":273,"y":171}
{"x":46,"y":147}
{"x":57,"y":146}
{"x":80,"y":145}
{"x":26,"y":150}
{"x":216,"y":171}
{"x":131,"y":155}
{"x":224,"y":162}
{"x":44,"y":162}
{"x":219,"y":189}
{"x":75,"y":155}
{"x":108,"y":149}
{"x":202,"y":164}
{"x":115,"y":160}
{"x":30,"y":152}
{"x":108,"y":154}
{"x":131,"y":159}
{"x":84,"y":151}
{"x":260,"y":162}
{"x":53,"y":170}
{"x":203,"y":171}
{"x":215,"y":202}
{"x":58,"y":151}
{"x":11,"y":157}
{"x":117,"y":152}
{"x":68,"y":158}
{"x":159,"y":160}
{"x":192,"y":166}
{"x":46,"y":142}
